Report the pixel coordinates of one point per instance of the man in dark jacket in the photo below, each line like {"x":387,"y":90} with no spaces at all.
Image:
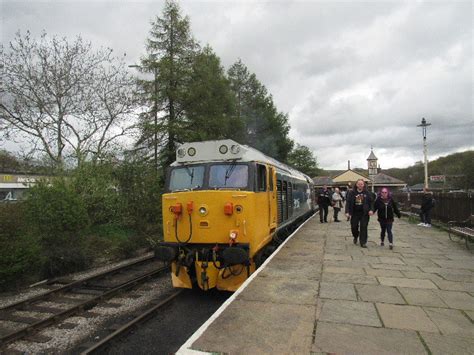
{"x":324,"y":200}
{"x":427,"y":203}
{"x":359,"y":208}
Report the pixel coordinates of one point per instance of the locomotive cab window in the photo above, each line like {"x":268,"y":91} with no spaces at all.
{"x":186,"y":178}
{"x":261,"y":177}
{"x":228,"y":176}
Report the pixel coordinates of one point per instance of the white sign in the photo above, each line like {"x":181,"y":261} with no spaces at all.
{"x":439,"y":178}
{"x":26,"y":179}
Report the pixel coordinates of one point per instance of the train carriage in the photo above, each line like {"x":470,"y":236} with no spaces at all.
{"x":224,"y":209}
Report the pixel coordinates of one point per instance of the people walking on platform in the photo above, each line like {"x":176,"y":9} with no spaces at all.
{"x":427,"y":204}
{"x":336,"y":203}
{"x":386,"y":208}
{"x":359,"y":208}
{"x":324,"y":200}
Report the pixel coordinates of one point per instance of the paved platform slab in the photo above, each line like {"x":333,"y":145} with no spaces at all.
{"x":322,"y":294}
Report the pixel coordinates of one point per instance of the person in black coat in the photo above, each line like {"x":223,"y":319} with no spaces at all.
{"x":427,"y":204}
{"x":386,"y":209}
{"x":359,"y":208}
{"x":324,"y":200}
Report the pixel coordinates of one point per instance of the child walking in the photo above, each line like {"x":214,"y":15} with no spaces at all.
{"x":386,"y":208}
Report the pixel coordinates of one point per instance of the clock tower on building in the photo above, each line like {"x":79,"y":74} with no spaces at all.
{"x":372,"y":164}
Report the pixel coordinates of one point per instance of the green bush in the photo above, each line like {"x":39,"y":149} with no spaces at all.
{"x":58,"y":216}
{"x":20,"y":255}
{"x":97,"y":188}
{"x":140,"y":192}
{"x":97,"y":212}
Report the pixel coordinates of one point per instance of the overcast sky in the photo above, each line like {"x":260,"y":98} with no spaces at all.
{"x":350,"y":75}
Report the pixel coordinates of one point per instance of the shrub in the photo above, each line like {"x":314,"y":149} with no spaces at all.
{"x":58,"y":216}
{"x":140,"y":192}
{"x":20,"y":255}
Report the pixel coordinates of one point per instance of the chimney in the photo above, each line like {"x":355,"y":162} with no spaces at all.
{"x":348,"y":165}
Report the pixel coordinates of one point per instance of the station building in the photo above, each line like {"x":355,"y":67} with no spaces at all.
{"x":373,"y":177}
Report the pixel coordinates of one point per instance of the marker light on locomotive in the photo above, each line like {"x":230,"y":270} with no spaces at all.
{"x":223,"y":149}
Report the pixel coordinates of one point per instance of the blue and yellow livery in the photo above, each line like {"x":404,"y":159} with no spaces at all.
{"x":224,"y":209}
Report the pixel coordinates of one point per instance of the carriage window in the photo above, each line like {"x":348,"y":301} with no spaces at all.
{"x":228,"y":175}
{"x":186,"y":178}
{"x":261,"y":178}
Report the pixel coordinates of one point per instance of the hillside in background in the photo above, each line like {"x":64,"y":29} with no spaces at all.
{"x":458,"y":169}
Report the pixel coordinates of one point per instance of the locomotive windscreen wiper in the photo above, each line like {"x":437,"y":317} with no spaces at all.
{"x":190,"y":173}
{"x":229,"y":171}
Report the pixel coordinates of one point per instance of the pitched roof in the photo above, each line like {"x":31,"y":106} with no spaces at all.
{"x":382,"y":178}
{"x":322,"y":180}
{"x":349,"y":175}
{"x":372,"y":156}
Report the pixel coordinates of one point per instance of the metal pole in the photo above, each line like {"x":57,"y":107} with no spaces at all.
{"x":425,"y":151}
{"x":423,"y":126}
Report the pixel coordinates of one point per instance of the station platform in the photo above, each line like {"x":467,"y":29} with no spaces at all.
{"x":320,"y":293}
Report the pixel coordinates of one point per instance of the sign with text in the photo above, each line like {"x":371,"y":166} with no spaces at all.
{"x":438,"y":178}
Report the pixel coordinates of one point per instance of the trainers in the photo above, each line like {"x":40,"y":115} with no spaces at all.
{"x":382,"y":244}
{"x":427,"y":225}
{"x":390,"y":246}
{"x":364,"y":246}
{"x":355,"y":240}
{"x":421,"y":224}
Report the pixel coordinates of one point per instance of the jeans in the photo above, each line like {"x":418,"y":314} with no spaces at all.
{"x":336,"y":211}
{"x":425,"y":217}
{"x":359,"y":224}
{"x":323,"y":213}
{"x":386,"y":226}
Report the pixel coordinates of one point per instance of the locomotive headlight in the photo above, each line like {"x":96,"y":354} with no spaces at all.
{"x":202,"y":210}
{"x":234,"y":149}
{"x":181,"y":152}
{"x":192,"y":151}
{"x":223,"y":149}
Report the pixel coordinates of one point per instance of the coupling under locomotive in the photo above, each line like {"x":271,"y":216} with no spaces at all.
{"x":223,"y":208}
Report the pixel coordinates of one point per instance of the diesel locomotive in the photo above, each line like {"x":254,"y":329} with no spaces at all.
{"x":225,"y":207}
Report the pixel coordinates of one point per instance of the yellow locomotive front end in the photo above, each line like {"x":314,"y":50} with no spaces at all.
{"x":218,"y":214}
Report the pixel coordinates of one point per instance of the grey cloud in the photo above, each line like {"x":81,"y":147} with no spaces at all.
{"x":350,"y":74}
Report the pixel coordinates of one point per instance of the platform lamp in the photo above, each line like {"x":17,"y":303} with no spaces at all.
{"x":423,"y":126}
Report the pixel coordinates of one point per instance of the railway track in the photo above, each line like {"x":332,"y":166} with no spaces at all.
{"x":74,"y":297}
{"x":97,"y":347}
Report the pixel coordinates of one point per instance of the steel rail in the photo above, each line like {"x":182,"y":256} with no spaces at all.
{"x":73,"y":285}
{"x":56,"y":318}
{"x":126,"y":327}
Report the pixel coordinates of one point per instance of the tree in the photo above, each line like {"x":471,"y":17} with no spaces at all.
{"x":170,"y":52}
{"x":210,"y":104}
{"x":66,"y":99}
{"x":302,"y":159}
{"x":266,"y":129}
{"x":8,"y":162}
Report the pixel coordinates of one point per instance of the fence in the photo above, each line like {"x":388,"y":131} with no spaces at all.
{"x":449,"y":206}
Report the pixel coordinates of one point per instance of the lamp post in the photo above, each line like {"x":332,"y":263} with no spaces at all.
{"x":423,"y":126}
